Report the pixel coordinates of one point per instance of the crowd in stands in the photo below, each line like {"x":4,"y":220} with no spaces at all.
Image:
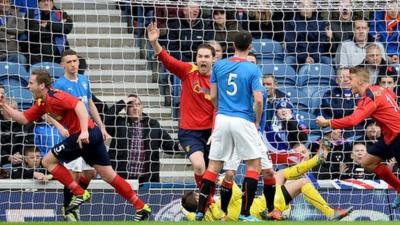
{"x":36,"y":31}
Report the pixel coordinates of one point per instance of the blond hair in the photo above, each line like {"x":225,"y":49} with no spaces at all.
{"x":360,"y":72}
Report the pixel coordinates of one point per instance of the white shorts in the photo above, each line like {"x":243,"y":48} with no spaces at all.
{"x":78,"y":165}
{"x":233,"y":163}
{"x":234,"y":135}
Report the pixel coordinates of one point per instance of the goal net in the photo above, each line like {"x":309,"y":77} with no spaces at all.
{"x":304,"y":49}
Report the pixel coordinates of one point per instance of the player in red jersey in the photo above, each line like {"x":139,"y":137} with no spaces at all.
{"x":380,"y":104}
{"x":196,"y":109}
{"x":85,"y":141}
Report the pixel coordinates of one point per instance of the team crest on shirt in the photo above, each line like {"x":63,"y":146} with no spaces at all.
{"x":85,"y":86}
{"x":196,"y":87}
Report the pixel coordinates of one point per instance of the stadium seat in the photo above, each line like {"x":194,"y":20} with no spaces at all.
{"x":267,"y":48}
{"x":55,"y":69}
{"x":284,"y":74}
{"x":22,"y":96}
{"x":14,"y":69}
{"x":317,"y":74}
{"x":298,"y":97}
{"x":12,"y":81}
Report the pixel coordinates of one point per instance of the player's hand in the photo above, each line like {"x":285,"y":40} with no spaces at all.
{"x":83,"y":138}
{"x":322,"y":122}
{"x":152,"y":32}
{"x":106,"y":136}
{"x":17,"y":158}
{"x":64,"y":133}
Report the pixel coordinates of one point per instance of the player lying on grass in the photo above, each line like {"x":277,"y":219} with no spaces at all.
{"x":289,"y":185}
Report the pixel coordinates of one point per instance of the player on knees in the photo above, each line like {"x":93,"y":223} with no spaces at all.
{"x":380,"y":104}
{"x":85,"y":140}
{"x":239,"y":102}
{"x":78,"y":85}
{"x":196,"y":109}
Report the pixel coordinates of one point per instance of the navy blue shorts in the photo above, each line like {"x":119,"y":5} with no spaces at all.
{"x":93,"y":153}
{"x":385,"y":151}
{"x":194,"y":140}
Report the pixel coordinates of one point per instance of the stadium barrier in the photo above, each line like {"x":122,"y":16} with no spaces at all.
{"x":26,"y":200}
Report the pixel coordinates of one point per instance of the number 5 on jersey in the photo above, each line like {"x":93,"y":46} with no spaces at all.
{"x":231,"y":82}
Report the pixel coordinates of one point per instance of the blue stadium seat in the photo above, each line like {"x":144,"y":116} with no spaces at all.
{"x":284,"y":74}
{"x":315,"y":100}
{"x":22,"y":96}
{"x":317,"y":74}
{"x":55,"y":69}
{"x":268,"y":48}
{"x":12,"y":81}
{"x":298,"y":97}
{"x":14,"y":69}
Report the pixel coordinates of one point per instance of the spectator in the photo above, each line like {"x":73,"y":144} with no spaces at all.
{"x":224,"y":29}
{"x":339,"y":101}
{"x":354,"y":169}
{"x":306,"y":40}
{"x":30,"y":167}
{"x":134,"y":150}
{"x":385,"y":29}
{"x":264,"y":23}
{"x":11,"y":26}
{"x":185,"y":34}
{"x":388,"y":78}
{"x":374,"y":62}
{"x":219,"y":53}
{"x":340,"y":28}
{"x":372,"y":134}
{"x":351,"y":53}
{"x":273,"y":93}
{"x":12,"y":139}
{"x":47,"y":29}
{"x":286,"y":131}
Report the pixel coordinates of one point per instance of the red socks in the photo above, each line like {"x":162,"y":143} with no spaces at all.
{"x":83,"y":182}
{"x":197,"y":179}
{"x":384,"y":173}
{"x":125,"y":190}
{"x":61,"y":174}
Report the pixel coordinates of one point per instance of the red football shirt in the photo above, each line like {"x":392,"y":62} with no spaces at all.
{"x":380,"y":104}
{"x":61,"y":106}
{"x":196,"y":107}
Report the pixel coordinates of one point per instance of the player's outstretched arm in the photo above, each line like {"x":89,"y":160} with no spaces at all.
{"x":18,"y":116}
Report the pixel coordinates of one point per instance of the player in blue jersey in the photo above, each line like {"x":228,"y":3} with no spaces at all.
{"x":78,"y":85}
{"x":236,"y":92}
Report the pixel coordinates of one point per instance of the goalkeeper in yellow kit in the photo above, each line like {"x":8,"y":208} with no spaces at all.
{"x":290,"y":182}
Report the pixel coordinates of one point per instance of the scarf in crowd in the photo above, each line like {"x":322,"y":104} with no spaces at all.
{"x":60,"y":40}
{"x":391,"y":24}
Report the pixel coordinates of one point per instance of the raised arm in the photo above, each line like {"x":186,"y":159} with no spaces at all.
{"x":14,"y":113}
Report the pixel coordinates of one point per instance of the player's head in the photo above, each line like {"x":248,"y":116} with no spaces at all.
{"x":70,"y":62}
{"x":359,"y":77}
{"x":39,"y":83}
{"x":218,"y":50}
{"x":190,"y":200}
{"x":134,"y":107}
{"x":343,"y":77}
{"x":32,"y":157}
{"x":242,"y":41}
{"x":270,"y":83}
{"x":46,"y":4}
{"x":251,"y":57}
{"x":205,"y":58}
{"x":358,"y":152}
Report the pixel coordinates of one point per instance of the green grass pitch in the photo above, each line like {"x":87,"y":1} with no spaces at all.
{"x":220,"y":223}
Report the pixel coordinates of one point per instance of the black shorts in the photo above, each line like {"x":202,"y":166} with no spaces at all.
{"x":385,"y":151}
{"x":93,"y":153}
{"x":194,"y":140}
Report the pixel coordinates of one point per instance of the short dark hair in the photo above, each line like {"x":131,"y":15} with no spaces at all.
{"x":43,"y":77}
{"x":30,"y":149}
{"x":207,"y":46}
{"x":189,"y":201}
{"x":68,"y":52}
{"x":135,"y":96}
{"x":243,"y":40}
